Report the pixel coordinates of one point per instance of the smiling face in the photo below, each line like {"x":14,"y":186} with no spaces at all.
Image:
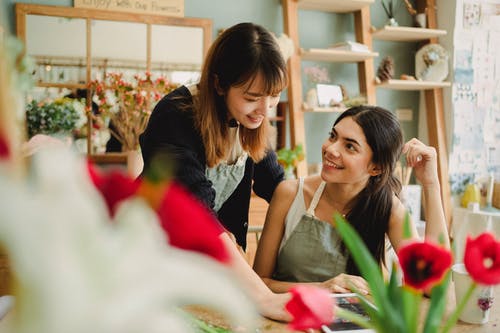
{"x":347,"y":157}
{"x":249,"y":104}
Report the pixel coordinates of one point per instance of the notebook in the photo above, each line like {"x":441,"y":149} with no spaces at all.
{"x":349,"y":301}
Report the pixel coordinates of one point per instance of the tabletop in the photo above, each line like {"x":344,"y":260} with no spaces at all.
{"x":270,"y":326}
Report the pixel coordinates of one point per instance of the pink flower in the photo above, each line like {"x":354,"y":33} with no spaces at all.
{"x":482,"y":259}
{"x":310,"y":307}
{"x":424,"y":264}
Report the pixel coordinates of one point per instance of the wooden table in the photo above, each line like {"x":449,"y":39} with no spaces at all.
{"x":270,"y":326}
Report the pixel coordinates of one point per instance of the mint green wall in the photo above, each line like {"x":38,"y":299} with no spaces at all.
{"x":316,"y":29}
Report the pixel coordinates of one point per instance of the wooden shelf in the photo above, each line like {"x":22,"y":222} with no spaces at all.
{"x":412,"y":85}
{"x":61,"y":85}
{"x":332,"y":109}
{"x":332,"y":55}
{"x":336,"y":6}
{"x":406,"y":34}
{"x":109,"y":158}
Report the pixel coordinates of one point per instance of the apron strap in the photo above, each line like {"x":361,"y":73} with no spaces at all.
{"x":315,"y":199}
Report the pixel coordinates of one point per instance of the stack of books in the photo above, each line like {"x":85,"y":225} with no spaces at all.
{"x":350,"y":46}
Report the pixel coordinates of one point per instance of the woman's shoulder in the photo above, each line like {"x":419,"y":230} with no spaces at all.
{"x":177,"y":105}
{"x":287,"y":189}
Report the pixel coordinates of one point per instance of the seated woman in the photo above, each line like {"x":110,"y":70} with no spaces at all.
{"x":299,"y":244}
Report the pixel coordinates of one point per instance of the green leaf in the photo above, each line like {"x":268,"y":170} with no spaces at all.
{"x":394,"y":294}
{"x":406,"y":226}
{"x":437,"y":306}
{"x":386,"y":314}
{"x":411,"y":308}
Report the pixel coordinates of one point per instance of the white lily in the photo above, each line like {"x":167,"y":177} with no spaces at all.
{"x":78,"y":271}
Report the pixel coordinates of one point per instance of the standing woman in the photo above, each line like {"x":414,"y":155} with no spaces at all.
{"x":218,"y":135}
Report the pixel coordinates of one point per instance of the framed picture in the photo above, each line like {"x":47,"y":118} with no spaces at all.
{"x":329,"y":94}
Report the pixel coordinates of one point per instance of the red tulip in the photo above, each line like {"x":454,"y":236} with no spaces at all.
{"x":482,"y":259}
{"x":4,"y":148}
{"x":424,"y":264}
{"x":115,"y":186}
{"x":310,"y":307}
{"x":190,"y":225}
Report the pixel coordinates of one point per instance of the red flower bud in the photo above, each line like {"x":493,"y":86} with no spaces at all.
{"x":482,"y":259}
{"x":115,"y":186}
{"x":310,"y":307}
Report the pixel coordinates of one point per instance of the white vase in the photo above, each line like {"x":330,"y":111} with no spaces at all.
{"x":135,"y":164}
{"x":289,"y":172}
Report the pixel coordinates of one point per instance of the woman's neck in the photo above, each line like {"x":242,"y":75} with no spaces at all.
{"x":340,"y":195}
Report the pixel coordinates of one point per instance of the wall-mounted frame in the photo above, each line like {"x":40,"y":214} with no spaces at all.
{"x":89,"y":41}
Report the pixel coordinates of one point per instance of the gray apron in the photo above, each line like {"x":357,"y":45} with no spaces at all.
{"x":312,"y":253}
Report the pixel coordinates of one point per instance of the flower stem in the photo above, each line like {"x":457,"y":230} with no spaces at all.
{"x":454,"y":317}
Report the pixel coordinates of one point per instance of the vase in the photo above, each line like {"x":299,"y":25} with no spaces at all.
{"x":289,"y":172}
{"x":135,"y":164}
{"x":477,"y":308}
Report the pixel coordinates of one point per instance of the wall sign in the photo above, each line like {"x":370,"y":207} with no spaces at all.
{"x":154,"y":7}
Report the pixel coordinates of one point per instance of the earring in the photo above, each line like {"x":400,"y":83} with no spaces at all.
{"x":233,"y":123}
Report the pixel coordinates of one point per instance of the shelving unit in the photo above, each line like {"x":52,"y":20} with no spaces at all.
{"x":364,"y":34}
{"x":364,"y":60}
{"x":336,"y":6}
{"x":336,"y":55}
{"x":406,"y":34}
{"x":412,"y":85}
{"x":323,"y":109}
{"x":432,"y":90}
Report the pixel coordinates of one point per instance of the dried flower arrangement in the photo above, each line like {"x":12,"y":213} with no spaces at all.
{"x":127,"y":105}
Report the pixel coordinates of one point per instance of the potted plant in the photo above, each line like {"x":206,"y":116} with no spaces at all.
{"x":289,"y":158}
{"x":59,"y":117}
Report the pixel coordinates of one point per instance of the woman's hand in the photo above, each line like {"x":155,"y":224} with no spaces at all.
{"x":345,"y":283}
{"x":423,"y":160}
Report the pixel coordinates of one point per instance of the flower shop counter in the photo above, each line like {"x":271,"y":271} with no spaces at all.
{"x":270,"y":326}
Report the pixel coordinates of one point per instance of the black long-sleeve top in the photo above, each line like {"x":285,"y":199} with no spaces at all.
{"x":171,"y":129}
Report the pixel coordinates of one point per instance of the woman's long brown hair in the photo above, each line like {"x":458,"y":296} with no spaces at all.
{"x":236,"y":57}
{"x":370,"y":210}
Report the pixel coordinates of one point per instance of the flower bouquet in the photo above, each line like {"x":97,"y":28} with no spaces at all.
{"x":425,"y":267}
{"x":127,"y":105}
{"x":62,"y":115}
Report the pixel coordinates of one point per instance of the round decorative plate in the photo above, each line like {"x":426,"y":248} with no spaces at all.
{"x":431,"y":63}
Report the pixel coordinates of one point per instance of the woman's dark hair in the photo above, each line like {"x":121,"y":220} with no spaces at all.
{"x":235,"y":58}
{"x":370,"y":210}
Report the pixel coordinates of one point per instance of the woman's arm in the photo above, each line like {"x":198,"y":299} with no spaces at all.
{"x":270,"y":305}
{"x":272,"y":234}
{"x":268,"y":173}
{"x":423,"y":160}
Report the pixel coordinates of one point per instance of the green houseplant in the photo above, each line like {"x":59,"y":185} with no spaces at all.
{"x":60,"y":116}
{"x":289,"y":158}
